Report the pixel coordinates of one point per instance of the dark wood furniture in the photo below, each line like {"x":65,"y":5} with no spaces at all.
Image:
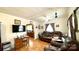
{"x":31,"y":34}
{"x":47,"y":36}
{"x":20,"y":42}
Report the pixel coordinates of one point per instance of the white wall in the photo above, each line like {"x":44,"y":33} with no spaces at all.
{"x":62,"y":22}
{"x":37,"y":30}
{"x":6,"y":27}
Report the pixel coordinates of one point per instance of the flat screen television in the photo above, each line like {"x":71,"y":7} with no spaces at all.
{"x":18,"y":28}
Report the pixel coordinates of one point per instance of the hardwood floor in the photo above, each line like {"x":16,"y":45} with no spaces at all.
{"x":34,"y":45}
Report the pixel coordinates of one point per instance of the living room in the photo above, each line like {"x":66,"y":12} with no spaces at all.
{"x":35,"y":21}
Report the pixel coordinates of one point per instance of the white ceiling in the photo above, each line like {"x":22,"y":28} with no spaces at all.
{"x":33,"y":12}
{"x":24,"y":12}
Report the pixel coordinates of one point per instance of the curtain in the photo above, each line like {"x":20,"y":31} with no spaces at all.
{"x":50,"y":27}
{"x":52,"y":24}
{"x":46,"y":26}
{"x":69,"y":31}
{"x":71,"y":28}
{"x":75,"y":21}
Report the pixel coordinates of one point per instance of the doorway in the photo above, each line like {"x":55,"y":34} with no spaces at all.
{"x":30,"y":30}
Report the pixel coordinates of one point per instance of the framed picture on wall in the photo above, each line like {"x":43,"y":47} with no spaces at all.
{"x":38,"y":26}
{"x":18,"y":22}
{"x":57,"y":25}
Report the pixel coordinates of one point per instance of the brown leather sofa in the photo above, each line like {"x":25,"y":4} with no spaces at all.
{"x":58,"y":46}
{"x":47,"y":36}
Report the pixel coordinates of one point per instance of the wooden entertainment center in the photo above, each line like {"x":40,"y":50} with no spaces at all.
{"x":31,"y":34}
{"x":21,"y":42}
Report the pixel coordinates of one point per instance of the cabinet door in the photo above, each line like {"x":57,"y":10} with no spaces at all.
{"x":18,"y":43}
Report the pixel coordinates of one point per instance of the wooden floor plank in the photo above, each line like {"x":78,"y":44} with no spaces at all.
{"x":34,"y":45}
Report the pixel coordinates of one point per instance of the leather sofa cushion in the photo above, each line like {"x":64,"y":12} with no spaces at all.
{"x":52,"y":34}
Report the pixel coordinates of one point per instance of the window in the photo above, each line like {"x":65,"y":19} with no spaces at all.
{"x":29,"y":27}
{"x":49,"y":28}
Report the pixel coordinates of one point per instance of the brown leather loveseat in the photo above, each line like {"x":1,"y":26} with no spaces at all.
{"x":47,"y":36}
